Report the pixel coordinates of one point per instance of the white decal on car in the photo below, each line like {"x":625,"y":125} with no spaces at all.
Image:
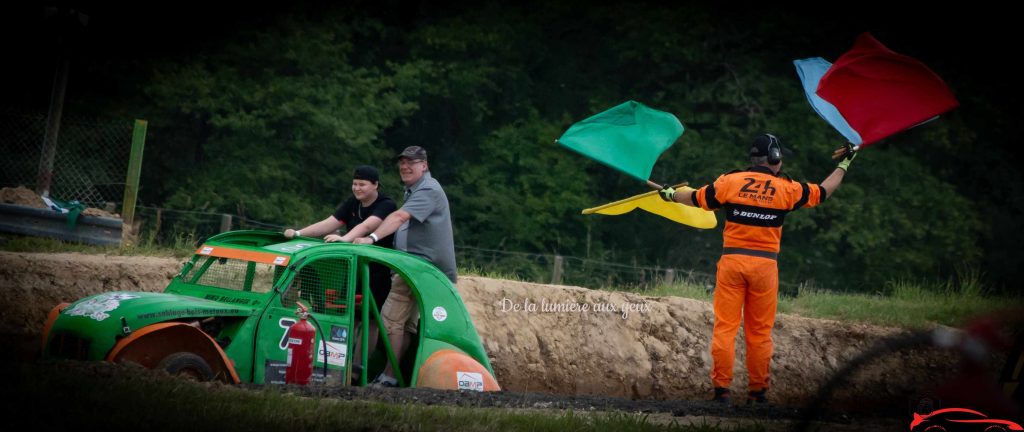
{"x":336,"y":354}
{"x":440,"y":314}
{"x":470,"y":381}
{"x":97,"y":307}
{"x":285,"y":323}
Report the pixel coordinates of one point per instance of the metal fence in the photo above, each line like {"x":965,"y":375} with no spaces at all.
{"x":171,"y":227}
{"x":573,"y":270}
{"x":90,"y":163}
{"x":187,"y":228}
{"x":579,"y":271}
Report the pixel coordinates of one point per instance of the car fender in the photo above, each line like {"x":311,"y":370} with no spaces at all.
{"x":448,"y":369}
{"x":50,"y":319}
{"x":149,"y":345}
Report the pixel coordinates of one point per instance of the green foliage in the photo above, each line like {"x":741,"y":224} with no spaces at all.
{"x":270,"y":123}
{"x":522,"y":181}
{"x":908,"y":223}
{"x":285,"y":115}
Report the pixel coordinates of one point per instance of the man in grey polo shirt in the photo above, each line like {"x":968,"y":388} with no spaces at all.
{"x":423,"y":227}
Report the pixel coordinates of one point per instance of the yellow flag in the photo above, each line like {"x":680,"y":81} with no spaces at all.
{"x":652,"y":203}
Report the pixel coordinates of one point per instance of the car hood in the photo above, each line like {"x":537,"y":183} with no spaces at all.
{"x":148,"y":307}
{"x":103,"y":319}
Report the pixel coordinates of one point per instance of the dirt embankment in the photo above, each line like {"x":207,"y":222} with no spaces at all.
{"x":32,"y":284}
{"x":545,"y":338}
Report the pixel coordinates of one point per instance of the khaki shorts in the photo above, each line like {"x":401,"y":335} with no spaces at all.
{"x":400,"y":309}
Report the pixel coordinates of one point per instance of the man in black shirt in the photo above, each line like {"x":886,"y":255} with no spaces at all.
{"x":361,"y":214}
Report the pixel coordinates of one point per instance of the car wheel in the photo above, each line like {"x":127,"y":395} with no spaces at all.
{"x":186,"y":365}
{"x":995,"y":428}
{"x":935,"y":428}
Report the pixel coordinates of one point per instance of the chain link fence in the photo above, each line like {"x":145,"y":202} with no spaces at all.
{"x":90,"y":163}
{"x":184,"y":228}
{"x":170,"y":227}
{"x":578,"y":271}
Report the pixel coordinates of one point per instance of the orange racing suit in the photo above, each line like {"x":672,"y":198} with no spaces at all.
{"x":755,"y":203}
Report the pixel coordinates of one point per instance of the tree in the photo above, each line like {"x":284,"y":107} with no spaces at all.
{"x":284,"y":115}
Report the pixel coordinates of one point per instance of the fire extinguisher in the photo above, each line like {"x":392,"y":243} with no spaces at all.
{"x":300,"y":349}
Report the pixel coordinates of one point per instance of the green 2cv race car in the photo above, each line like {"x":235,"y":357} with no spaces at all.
{"x":227,"y":316}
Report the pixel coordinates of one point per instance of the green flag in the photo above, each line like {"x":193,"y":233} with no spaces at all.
{"x":628,"y":137}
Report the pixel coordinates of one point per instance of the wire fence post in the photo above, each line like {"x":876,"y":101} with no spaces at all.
{"x":134,"y":170}
{"x":556,"y":273}
{"x":60,"y":83}
{"x":670,"y":276}
{"x":159,"y":221}
{"x":225,"y":222}
{"x":131,"y":188}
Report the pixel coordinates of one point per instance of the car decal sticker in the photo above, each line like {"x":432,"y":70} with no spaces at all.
{"x":470,"y":381}
{"x":285,"y":323}
{"x":336,"y":354}
{"x":254,"y":256}
{"x":440,"y":314}
{"x":98,"y":306}
{"x":339,"y":334}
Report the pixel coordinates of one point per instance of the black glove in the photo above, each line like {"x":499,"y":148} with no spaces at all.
{"x":668,"y":193}
{"x":845,"y":155}
{"x":845,"y":152}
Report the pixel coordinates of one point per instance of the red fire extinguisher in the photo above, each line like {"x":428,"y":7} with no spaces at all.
{"x":300,"y":349}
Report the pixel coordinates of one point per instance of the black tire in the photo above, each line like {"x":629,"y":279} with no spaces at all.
{"x":186,"y":365}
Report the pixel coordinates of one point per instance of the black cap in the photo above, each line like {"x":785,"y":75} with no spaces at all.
{"x":366,"y":172}
{"x":413,"y":152}
{"x":763,"y":142}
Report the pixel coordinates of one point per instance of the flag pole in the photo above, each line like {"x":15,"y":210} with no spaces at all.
{"x":634,"y":197}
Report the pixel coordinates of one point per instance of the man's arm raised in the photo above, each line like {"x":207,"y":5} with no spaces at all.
{"x":832,"y":182}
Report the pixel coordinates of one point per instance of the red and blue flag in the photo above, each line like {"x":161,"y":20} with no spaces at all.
{"x":872,"y":92}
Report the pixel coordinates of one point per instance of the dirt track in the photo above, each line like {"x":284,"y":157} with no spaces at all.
{"x":658,"y":349}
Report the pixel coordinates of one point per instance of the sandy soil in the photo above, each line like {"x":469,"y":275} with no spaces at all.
{"x":26,"y":197}
{"x":21,"y":196}
{"x":660,"y":349}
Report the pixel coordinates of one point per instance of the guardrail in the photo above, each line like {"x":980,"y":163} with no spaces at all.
{"x":37,"y":222}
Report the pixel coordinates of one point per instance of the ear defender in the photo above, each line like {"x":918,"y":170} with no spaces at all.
{"x":774,"y":150}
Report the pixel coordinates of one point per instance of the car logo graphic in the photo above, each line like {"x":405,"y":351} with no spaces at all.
{"x":960,"y":419}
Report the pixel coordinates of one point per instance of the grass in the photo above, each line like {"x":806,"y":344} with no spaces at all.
{"x":61,"y":396}
{"x":906,"y":303}
{"x":478,"y":271}
{"x":690,"y":290}
{"x":183,"y":246}
{"x":901,"y":303}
